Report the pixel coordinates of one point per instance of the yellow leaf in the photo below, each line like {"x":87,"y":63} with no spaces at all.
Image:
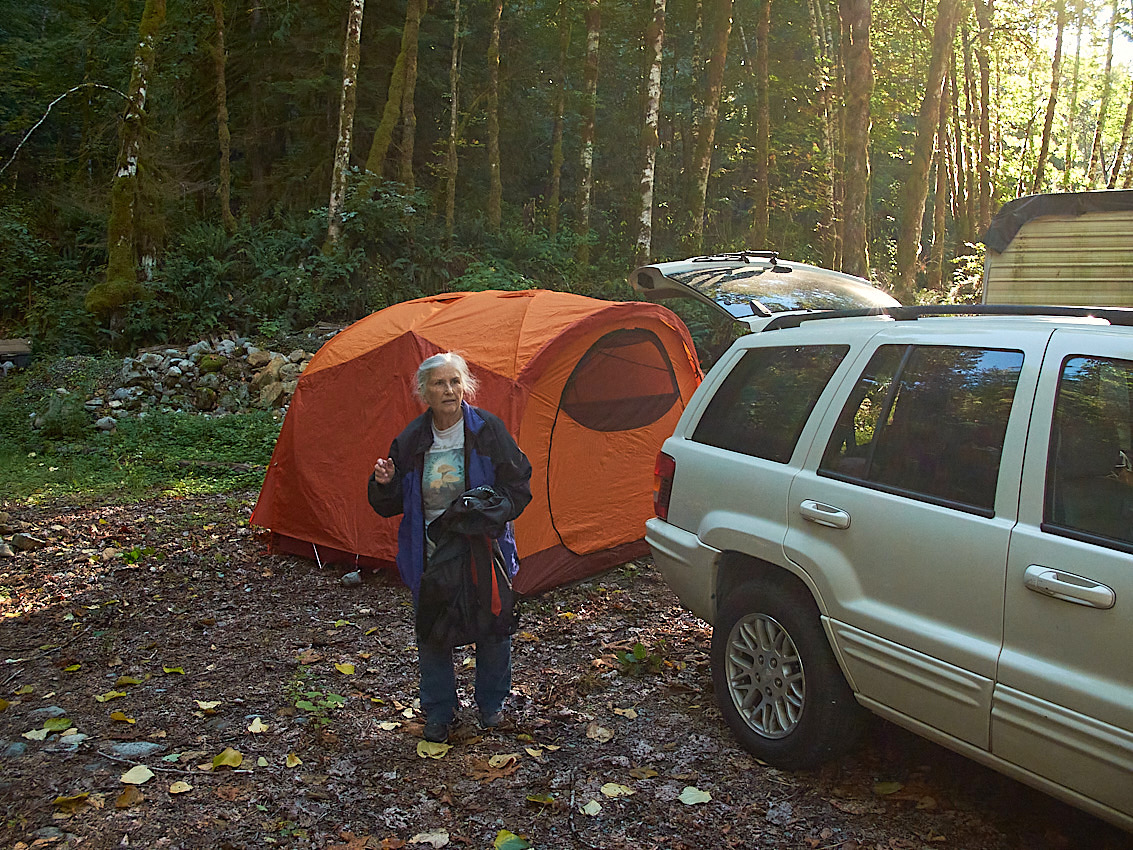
{"x":72,"y":803}
{"x":228,"y":758}
{"x":371,"y":631}
{"x":338,"y":624}
{"x":126,"y":680}
{"x":180,"y":671}
{"x":691,"y":796}
{"x":613,"y":789}
{"x":139,"y":774}
{"x":180,"y":787}
{"x":534,"y":752}
{"x":56,"y":724}
{"x":257,"y":726}
{"x":261,"y":762}
{"x":431,"y":750}
{"x":388,"y":725}
{"x":122,"y":718}
{"x":293,"y":760}
{"x":346,"y":669}
{"x":567,"y":615}
{"x":4,"y":704}
{"x":36,"y":735}
{"x":109,"y":695}
{"x":24,"y":690}
{"x":503,"y":760}
{"x":207,"y":706}
{"x":72,"y":668}
{"x":544,"y":799}
{"x":885,"y":788}
{"x":643,"y":773}
{"x":599,"y":733}
{"x":592,"y":808}
{"x":628,"y":713}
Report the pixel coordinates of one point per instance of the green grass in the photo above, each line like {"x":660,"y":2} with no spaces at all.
{"x":162,"y":453}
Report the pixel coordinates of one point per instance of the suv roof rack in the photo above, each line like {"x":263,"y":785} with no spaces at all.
{"x":1114,"y":315}
{"x":740,"y":256}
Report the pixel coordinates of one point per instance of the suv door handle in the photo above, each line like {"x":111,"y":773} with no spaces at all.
{"x":827,"y":515}
{"x":1068,"y":587}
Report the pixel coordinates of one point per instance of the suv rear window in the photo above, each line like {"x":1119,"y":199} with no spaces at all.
{"x":1089,"y":470}
{"x":928,"y":421}
{"x":765,"y":401}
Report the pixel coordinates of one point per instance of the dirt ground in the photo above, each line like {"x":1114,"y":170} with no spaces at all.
{"x":166,"y":683}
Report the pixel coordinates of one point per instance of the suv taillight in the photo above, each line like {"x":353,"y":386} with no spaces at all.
{"x":663,"y":473}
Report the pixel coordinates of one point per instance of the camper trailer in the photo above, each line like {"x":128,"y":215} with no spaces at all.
{"x":1072,"y":248}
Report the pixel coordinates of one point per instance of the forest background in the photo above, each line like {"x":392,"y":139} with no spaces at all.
{"x":171,"y":169}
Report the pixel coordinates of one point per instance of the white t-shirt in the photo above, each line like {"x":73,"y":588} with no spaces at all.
{"x":443,"y":477}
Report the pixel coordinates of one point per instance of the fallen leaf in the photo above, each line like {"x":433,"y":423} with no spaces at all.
{"x":628,"y":713}
{"x":73,"y":668}
{"x":534,"y":752}
{"x":109,"y":695}
{"x":309,"y":656}
{"x":692,"y":796}
{"x":24,"y":690}
{"x":180,"y":787}
{"x":346,"y":669}
{"x":72,"y":803}
{"x":180,"y":671}
{"x":884,"y":789}
{"x":389,"y":725}
{"x":131,"y":795}
{"x":484,"y":771}
{"x":139,"y":774}
{"x":503,"y":760}
{"x":228,"y":758}
{"x":433,"y":839}
{"x":257,"y":726}
{"x":121,"y":718}
{"x":599,"y":733}
{"x":542,"y":799}
{"x":123,"y":681}
{"x":613,"y":789}
{"x":507,"y":840}
{"x":230,"y":793}
{"x":592,"y":808}
{"x":4,"y":704}
{"x":643,"y":773}
{"x":431,"y":750}
{"x":208,"y":706}
{"x":261,"y":762}
{"x":293,"y":760}
{"x":56,"y":724}
{"x":36,"y":735}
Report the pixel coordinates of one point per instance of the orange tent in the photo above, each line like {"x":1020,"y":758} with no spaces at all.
{"x":590,"y":389}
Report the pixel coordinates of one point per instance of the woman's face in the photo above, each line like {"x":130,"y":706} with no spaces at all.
{"x":443,"y":393}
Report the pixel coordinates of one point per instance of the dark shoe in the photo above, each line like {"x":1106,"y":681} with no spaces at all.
{"x":436,"y":733}
{"x":491,"y":721}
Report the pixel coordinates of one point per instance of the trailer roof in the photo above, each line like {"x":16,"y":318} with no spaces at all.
{"x":1014,"y":214}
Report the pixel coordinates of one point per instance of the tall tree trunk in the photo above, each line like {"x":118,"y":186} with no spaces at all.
{"x":916,"y":187}
{"x":940,"y":198}
{"x":408,"y":113}
{"x":654,"y":38}
{"x":985,"y":12}
{"x":820,"y":43}
{"x":589,"y":107}
{"x":554,"y":200}
{"x":1072,"y":113}
{"x":1096,"y":161}
{"x":856,"y":18}
{"x":706,"y":132}
{"x":107,"y":298}
{"x":761,"y":208}
{"x":451,"y":160}
{"x":1052,"y":101}
{"x":495,"y":183}
{"x":224,"y":138}
{"x":958,"y":153}
{"x":347,"y":101}
{"x":1119,"y":157}
{"x":383,"y":136}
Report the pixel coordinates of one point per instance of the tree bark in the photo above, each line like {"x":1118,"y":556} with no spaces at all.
{"x":1052,"y":101}
{"x":706,"y":131}
{"x":856,"y":18}
{"x":916,"y":187}
{"x":224,"y":137}
{"x":654,"y":39}
{"x":452,"y":161}
{"x":555,"y":195}
{"x":826,"y":229}
{"x":589,"y":106}
{"x":408,"y":113}
{"x":347,"y":101}
{"x":107,"y":298}
{"x":1119,"y":157}
{"x":495,"y":183}
{"x":761,"y":208}
{"x":383,"y":136}
{"x":1097,"y":163}
{"x":1073,"y":111}
{"x":985,"y":12}
{"x":940,"y":198}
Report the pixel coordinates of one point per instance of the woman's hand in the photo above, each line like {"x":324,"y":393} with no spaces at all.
{"x":384,"y":470}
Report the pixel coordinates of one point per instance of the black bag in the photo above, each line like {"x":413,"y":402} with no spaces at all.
{"x":466,"y":594}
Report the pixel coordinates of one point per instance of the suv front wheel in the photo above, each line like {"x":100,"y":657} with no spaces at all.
{"x":776,"y":680}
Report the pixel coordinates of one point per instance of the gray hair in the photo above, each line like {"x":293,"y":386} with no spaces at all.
{"x":446,"y":358}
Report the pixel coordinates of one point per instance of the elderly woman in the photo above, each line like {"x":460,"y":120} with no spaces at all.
{"x":448,"y":450}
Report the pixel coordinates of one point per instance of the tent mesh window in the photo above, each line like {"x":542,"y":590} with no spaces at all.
{"x":624,"y":381}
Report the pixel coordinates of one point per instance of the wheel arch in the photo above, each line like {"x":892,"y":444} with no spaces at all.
{"x":738,"y":568}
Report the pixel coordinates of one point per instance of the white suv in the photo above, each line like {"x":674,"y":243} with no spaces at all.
{"x":924,"y":514}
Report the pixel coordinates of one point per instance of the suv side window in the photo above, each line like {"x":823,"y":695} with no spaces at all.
{"x":1089,"y":477}
{"x":761,"y":407}
{"x":928,"y":421}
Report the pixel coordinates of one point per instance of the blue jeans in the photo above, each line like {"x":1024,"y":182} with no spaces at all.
{"x":438,"y":680}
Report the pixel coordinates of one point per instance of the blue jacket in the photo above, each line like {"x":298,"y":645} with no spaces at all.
{"x":491,"y":459}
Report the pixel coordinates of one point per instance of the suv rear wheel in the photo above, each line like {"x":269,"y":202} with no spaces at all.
{"x":777,"y":683}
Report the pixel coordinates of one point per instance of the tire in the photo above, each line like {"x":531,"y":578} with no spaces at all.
{"x":776,"y":680}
